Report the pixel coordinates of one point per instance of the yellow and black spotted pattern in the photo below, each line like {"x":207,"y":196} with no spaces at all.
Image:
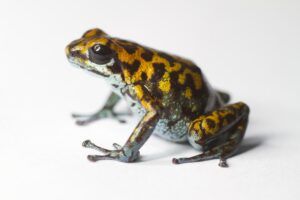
{"x":166,"y":77}
{"x":175,"y":83}
{"x":216,"y":122}
{"x":177,"y":103}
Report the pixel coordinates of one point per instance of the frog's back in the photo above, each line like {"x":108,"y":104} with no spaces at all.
{"x":177,"y":83}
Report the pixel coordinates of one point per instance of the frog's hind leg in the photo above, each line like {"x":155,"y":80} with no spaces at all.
{"x":224,"y":96}
{"x":222,"y":151}
{"x":106,"y":112}
{"x":218,"y":133}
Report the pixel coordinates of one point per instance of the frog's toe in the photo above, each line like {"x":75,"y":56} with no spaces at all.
{"x":117,"y":146}
{"x":118,"y":116}
{"x":75,"y":115}
{"x":83,"y":116}
{"x":175,"y":161}
{"x":83,"y":120}
{"x":86,"y":143}
{"x":122,"y":121}
{"x":117,"y":155}
{"x":89,"y":144}
{"x":95,"y":158}
{"x":223,"y":163}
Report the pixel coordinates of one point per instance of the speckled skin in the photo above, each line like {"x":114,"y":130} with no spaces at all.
{"x":170,"y":93}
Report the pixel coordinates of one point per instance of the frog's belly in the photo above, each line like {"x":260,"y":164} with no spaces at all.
{"x":176,"y":132}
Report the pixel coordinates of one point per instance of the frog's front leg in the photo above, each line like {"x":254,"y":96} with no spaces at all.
{"x":130,"y":151}
{"x":218,"y":133}
{"x":105,"y":112}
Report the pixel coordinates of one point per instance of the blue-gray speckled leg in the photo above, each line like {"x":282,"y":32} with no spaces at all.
{"x":105,"y":112}
{"x":130,"y":151}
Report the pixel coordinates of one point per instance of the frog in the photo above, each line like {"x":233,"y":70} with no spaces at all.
{"x":170,"y":93}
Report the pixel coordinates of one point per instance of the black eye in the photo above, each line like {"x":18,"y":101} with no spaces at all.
{"x":100,"y":54}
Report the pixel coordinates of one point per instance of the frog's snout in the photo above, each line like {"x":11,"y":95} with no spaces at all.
{"x":67,"y":51}
{"x":73,"y":49}
{"x":72,"y":52}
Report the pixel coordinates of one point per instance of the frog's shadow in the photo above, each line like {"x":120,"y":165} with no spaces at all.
{"x":250,"y":143}
{"x":247,"y":144}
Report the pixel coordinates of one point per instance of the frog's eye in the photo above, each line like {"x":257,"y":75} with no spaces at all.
{"x":100,"y":54}
{"x":97,"y":48}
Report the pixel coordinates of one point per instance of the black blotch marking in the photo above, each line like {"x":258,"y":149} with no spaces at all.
{"x":211,"y":123}
{"x":174,"y":80}
{"x":187,"y":111}
{"x":144,"y":76}
{"x":159,"y":70}
{"x":196,"y":69}
{"x":189,"y":81}
{"x":115,"y":68}
{"x":147,"y":55}
{"x":130,"y":49}
{"x":157,"y":93}
{"x":133,"y":67}
{"x":132,"y":104}
{"x":159,"y":65}
{"x":169,"y":58}
{"x":128,"y":46}
{"x":178,"y":87}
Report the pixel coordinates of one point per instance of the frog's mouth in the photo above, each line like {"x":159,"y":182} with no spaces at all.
{"x":101,"y":70}
{"x":77,"y":63}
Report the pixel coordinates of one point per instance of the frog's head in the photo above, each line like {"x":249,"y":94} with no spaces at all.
{"x":93,"y":52}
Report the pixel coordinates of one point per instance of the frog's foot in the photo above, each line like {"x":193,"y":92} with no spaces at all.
{"x":201,"y":157}
{"x":119,"y":154}
{"x":223,"y":162}
{"x":104,"y":113}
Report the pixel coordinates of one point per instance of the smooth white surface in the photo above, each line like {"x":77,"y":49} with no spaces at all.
{"x":249,"y":48}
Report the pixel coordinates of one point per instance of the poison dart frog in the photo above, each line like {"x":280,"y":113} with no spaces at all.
{"x":170,"y":93}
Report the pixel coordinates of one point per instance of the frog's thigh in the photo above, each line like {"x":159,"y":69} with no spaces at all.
{"x":218,"y":133}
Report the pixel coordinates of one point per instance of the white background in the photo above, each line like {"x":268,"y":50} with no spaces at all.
{"x":249,"y":48}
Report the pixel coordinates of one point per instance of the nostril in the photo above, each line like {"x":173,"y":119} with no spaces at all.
{"x":74,"y":53}
{"x":71,"y":52}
